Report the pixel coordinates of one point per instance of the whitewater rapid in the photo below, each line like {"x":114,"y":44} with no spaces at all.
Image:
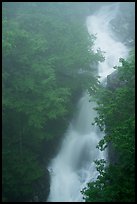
{"x":74,"y":164}
{"x":99,"y":25}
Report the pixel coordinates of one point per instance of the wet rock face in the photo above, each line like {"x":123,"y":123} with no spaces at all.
{"x":124,"y":24}
{"x":113,"y":81}
{"x":112,"y":154}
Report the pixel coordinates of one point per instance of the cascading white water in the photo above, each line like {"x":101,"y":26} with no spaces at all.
{"x":74,"y":165}
{"x":98,"y":25}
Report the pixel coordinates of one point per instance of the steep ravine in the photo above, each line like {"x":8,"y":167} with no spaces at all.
{"x":69,"y":171}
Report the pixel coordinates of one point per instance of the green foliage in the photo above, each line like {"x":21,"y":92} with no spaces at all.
{"x":19,"y":174}
{"x":116,"y":180}
{"x":46,"y":59}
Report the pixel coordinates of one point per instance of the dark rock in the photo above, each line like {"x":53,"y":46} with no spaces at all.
{"x":124,"y":24}
{"x":112,"y":154}
{"x":42,"y":188}
{"x":113,"y":81}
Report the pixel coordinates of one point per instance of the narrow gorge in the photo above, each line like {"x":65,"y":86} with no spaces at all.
{"x":74,"y":167}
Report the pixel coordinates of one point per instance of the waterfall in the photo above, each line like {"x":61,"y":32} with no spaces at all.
{"x":99,"y":26}
{"x":74,"y":165}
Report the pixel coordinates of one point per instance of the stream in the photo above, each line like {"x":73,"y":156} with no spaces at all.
{"x":73,"y":167}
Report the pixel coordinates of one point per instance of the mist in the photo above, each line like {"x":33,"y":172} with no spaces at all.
{"x":68,"y":101}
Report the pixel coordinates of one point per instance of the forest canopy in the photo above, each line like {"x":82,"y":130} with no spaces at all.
{"x":116,"y":110}
{"x":45,"y":46}
{"x":48,"y":61}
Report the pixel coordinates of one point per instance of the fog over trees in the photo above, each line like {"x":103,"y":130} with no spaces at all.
{"x":55,"y":66}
